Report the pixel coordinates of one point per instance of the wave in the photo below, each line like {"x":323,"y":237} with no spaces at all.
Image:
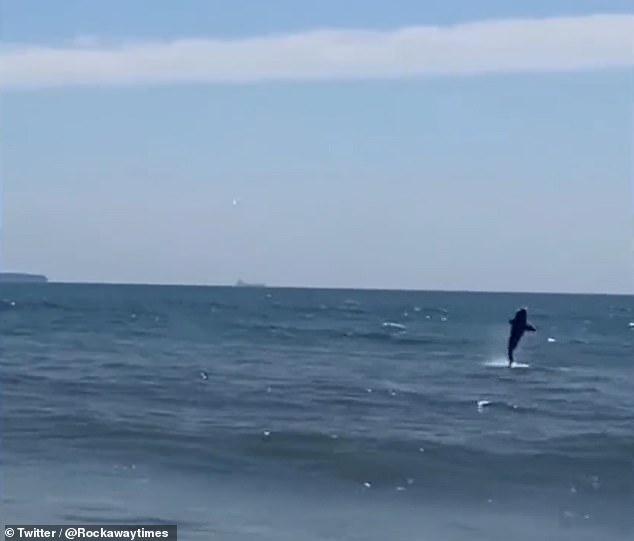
{"x":306,"y":334}
{"x":359,"y":458}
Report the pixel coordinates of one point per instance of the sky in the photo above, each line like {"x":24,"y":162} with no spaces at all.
{"x":414,"y":145}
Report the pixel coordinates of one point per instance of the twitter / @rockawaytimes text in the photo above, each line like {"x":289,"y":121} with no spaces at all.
{"x":69,"y":532}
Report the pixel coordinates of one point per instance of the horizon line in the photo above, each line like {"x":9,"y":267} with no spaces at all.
{"x":329,"y":288}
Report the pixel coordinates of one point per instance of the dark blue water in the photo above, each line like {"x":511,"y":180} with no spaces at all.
{"x":242,"y":413}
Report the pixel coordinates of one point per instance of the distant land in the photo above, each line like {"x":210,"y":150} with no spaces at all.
{"x":240,"y":283}
{"x":20,"y":277}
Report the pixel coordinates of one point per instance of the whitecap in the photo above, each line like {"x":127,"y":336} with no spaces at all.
{"x":392,"y":325}
{"x":482,"y":404}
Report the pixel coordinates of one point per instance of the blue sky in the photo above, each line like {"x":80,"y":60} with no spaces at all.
{"x":285,"y":146}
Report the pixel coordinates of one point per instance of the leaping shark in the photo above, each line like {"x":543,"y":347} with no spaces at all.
{"x":519,"y":325}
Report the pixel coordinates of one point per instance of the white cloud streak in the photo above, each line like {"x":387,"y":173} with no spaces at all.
{"x":500,"y":46}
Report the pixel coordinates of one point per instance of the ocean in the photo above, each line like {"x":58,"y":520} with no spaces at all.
{"x":296,"y":414}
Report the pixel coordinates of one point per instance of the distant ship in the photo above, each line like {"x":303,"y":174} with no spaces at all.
{"x":22,"y":278}
{"x":240,"y":283}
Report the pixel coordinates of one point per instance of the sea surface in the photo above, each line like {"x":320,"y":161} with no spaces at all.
{"x":290,"y":415}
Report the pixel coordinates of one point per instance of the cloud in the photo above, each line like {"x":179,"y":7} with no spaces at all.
{"x":521,"y":45}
